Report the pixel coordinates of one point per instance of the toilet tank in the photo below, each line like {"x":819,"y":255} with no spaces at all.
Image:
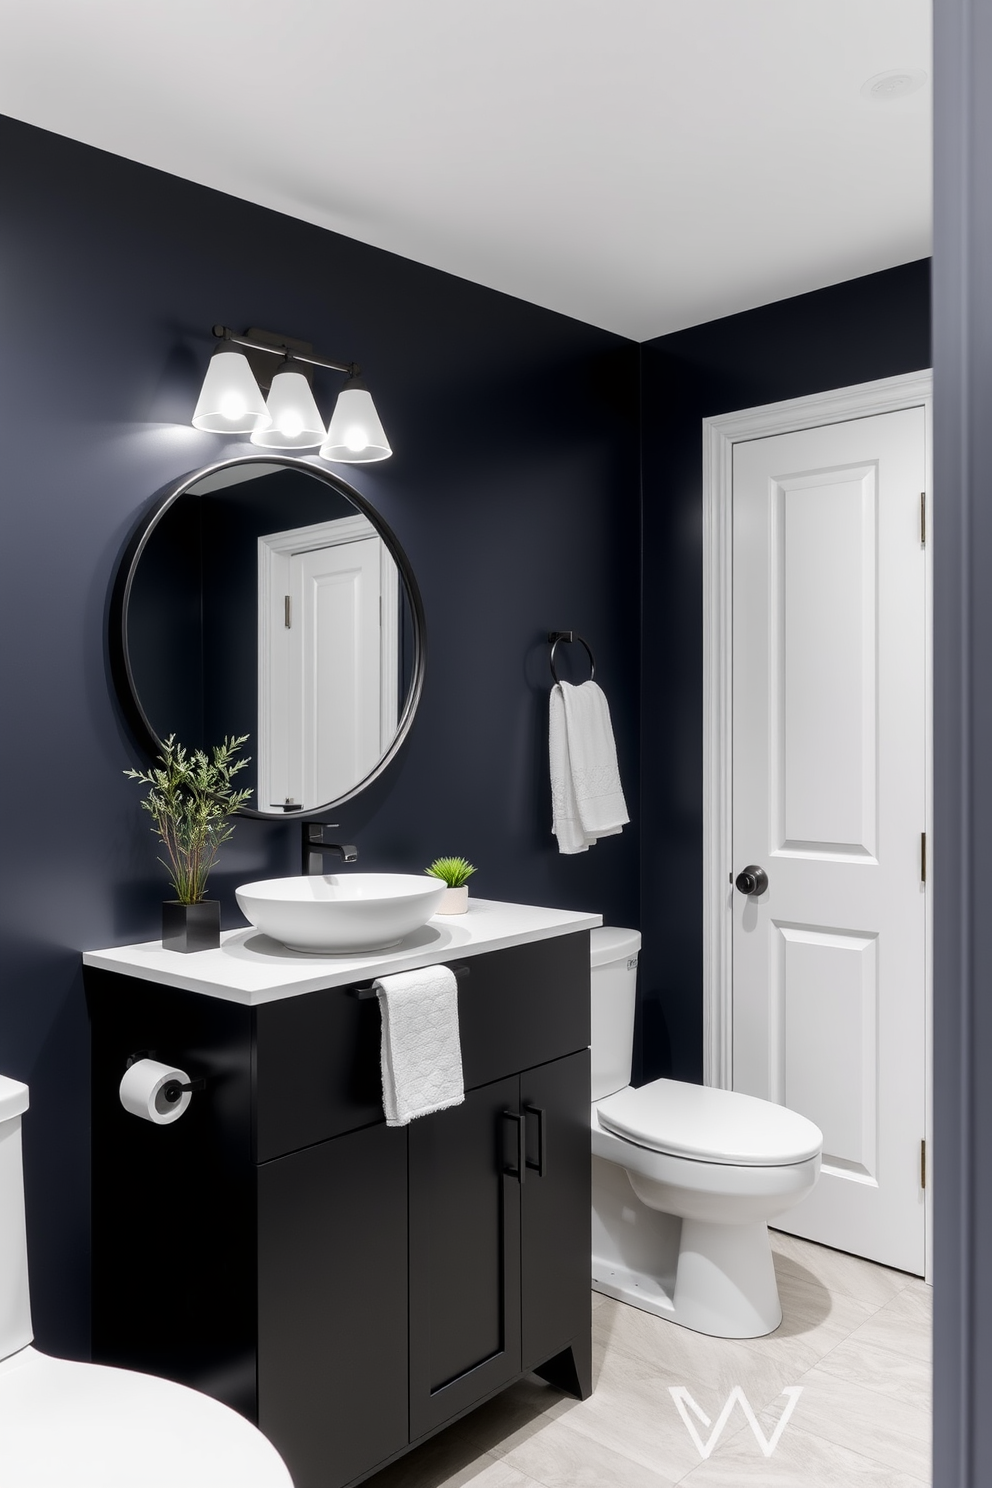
{"x":15,"y":1308}
{"x":613,"y":971}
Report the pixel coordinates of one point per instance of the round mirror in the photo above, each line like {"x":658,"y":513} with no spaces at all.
{"x":265,"y":597}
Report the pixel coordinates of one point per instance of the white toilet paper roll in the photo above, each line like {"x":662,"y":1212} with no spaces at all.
{"x":143,"y":1091}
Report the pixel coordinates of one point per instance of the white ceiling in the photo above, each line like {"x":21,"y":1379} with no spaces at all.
{"x":643,"y":165}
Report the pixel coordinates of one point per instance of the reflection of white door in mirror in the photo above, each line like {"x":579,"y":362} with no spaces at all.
{"x":328,"y":660}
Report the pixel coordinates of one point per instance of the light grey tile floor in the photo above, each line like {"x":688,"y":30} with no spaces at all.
{"x":854,"y":1336}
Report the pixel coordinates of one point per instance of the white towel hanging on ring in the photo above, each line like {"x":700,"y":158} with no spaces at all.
{"x":586,"y":795}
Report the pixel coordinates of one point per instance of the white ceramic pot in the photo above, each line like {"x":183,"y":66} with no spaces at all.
{"x":453,"y":901}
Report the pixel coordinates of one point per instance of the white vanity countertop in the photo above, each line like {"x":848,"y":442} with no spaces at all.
{"x":250,"y":968}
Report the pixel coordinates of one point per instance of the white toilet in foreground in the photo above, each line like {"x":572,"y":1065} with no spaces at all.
{"x":685,"y":1177}
{"x":70,"y":1425}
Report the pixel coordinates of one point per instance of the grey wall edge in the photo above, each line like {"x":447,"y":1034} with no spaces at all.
{"x":962,"y":743}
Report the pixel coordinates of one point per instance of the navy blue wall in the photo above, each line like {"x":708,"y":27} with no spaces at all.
{"x":873,"y":327}
{"x":514,"y":491}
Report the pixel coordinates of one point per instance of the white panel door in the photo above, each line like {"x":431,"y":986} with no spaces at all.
{"x":338,"y":663}
{"x":329,"y":640}
{"x":829,"y":790}
{"x":327,"y":681}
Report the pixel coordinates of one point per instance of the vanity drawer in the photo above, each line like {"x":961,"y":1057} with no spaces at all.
{"x":317,"y":1069}
{"x":524,"y":1006}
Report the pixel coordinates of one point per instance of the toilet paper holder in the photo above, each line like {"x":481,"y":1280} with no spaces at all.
{"x":175,"y":1090}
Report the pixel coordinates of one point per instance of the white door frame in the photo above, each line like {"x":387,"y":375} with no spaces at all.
{"x":720,"y":434}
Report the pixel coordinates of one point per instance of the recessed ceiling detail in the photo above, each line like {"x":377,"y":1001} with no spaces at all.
{"x":643,"y":165}
{"x":886,"y":86}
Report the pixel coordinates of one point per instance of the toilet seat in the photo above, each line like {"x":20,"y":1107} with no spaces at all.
{"x":704,"y":1124}
{"x":69,"y":1425}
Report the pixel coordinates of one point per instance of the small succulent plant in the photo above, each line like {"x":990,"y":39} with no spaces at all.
{"x":453,"y":871}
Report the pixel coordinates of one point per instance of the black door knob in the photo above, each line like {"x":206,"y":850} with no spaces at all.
{"x":752,"y":880}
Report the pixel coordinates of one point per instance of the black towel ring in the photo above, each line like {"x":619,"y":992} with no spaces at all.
{"x":554,"y":636}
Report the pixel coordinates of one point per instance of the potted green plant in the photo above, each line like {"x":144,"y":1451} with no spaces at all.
{"x":455,"y":872}
{"x":191,"y":798}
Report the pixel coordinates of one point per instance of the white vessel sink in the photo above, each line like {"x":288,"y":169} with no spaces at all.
{"x":337,"y":914}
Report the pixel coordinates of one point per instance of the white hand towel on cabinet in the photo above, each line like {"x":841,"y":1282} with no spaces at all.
{"x":421,"y":1047}
{"x":586,"y":794}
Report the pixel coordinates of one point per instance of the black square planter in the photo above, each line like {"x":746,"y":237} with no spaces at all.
{"x":190,"y":927}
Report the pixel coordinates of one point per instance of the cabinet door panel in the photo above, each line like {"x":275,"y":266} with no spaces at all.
{"x":464,"y":1255}
{"x":556,"y":1208}
{"x":332,"y":1311}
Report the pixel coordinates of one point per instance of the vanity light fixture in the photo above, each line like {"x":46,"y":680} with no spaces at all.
{"x":295,"y":418}
{"x":242,"y":368}
{"x":230,"y":400}
{"x":355,"y":434}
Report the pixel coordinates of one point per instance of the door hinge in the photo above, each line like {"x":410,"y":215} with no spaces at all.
{"x":923,"y":857}
{"x":287,"y":613}
{"x":923,"y":519}
{"x":923,"y":1164}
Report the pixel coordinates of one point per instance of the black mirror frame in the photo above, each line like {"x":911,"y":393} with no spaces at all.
{"x":120,"y":658}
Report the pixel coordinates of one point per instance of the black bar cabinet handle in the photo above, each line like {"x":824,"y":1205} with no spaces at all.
{"x":521,"y":1168}
{"x":364,"y":990}
{"x":541,"y":1165}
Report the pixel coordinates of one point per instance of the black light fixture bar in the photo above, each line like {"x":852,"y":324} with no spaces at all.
{"x":294,"y":351}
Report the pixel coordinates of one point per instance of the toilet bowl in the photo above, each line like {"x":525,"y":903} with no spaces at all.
{"x":685,"y":1177}
{"x":70,"y":1425}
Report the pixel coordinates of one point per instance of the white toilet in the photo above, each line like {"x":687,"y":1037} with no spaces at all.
{"x":685,"y":1177}
{"x":70,"y":1425}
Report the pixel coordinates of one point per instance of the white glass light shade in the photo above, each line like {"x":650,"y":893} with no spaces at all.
{"x":355,"y":435}
{"x":230,"y":400}
{"x":296,"y":421}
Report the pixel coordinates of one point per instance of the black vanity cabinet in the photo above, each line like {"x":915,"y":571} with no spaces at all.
{"x":349,"y":1286}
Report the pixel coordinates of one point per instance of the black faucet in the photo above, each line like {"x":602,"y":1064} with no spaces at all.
{"x":314,"y":847}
